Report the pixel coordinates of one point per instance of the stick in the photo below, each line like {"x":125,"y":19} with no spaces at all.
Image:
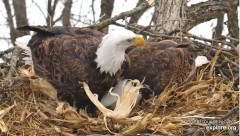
{"x":123,"y":15}
{"x":6,"y":51}
{"x":13,"y":62}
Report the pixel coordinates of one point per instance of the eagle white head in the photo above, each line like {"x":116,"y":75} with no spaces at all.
{"x":111,"y":51}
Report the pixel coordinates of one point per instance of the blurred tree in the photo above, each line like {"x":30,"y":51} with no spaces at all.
{"x":20,"y":14}
{"x":106,"y":12}
{"x":51,"y":8}
{"x":13,"y":32}
{"x":217,"y":32}
{"x":136,"y":17}
{"x":232,"y":14}
{"x":173,"y":16}
{"x":66,"y":13}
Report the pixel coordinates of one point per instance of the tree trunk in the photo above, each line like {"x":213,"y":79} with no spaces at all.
{"x":170,"y":15}
{"x":106,"y":12}
{"x":21,"y":15}
{"x":217,"y":33}
{"x":13,"y":33}
{"x":66,"y":14}
{"x":232,"y":15}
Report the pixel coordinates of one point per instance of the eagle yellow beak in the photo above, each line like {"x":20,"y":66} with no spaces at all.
{"x":138,"y":41}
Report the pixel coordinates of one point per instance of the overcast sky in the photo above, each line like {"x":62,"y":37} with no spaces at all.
{"x":83,"y":7}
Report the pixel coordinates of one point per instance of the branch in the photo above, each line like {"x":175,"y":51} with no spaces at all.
{"x":205,"y":11}
{"x":136,"y":17}
{"x":106,"y":12}
{"x":123,"y":15}
{"x":13,"y":62}
{"x":138,"y":29}
{"x":6,"y":51}
{"x":230,"y":113}
{"x":232,"y":24}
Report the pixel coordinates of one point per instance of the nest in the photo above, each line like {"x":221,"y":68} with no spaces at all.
{"x":204,"y":106}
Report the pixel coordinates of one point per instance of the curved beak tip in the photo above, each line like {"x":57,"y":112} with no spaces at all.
{"x":140,"y":41}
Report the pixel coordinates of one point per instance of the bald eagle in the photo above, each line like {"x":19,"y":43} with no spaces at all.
{"x":160,"y":64}
{"x":67,"y":55}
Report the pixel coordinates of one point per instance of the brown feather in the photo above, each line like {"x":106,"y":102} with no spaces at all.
{"x":160,"y":63}
{"x":65,"y":56}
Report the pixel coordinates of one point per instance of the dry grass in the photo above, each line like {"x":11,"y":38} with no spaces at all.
{"x":28,"y":109}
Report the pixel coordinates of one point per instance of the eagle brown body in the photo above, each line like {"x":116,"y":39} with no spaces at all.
{"x":65,"y":57}
{"x":160,"y":64}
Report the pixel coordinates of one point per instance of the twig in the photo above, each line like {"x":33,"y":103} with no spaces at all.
{"x":6,"y":51}
{"x":13,"y":62}
{"x":211,"y":40}
{"x":123,"y":15}
{"x":230,"y":38}
{"x":230,"y":113}
{"x":93,"y":11}
{"x":137,"y":28}
{"x":39,"y":8}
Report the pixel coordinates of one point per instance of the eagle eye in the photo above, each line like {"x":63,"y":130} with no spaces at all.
{"x":130,"y":40}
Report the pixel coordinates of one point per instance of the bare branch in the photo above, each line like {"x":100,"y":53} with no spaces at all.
{"x":136,"y":17}
{"x":51,"y":12}
{"x":205,"y":11}
{"x":93,"y":11}
{"x":107,"y":22}
{"x":6,"y":51}
{"x":13,"y":62}
{"x":40,"y":9}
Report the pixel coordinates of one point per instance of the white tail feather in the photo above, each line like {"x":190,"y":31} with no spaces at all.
{"x":22,"y":42}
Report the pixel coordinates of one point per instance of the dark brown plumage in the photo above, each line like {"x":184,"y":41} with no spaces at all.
{"x":160,"y":63}
{"x":65,"y":56}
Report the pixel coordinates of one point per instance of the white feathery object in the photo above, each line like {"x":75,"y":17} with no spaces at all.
{"x":1,"y":61}
{"x":124,"y":104}
{"x":109,"y":100}
{"x":22,"y":42}
{"x":201,"y":60}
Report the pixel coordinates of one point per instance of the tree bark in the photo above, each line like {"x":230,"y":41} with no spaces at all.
{"x":13,"y":32}
{"x":169,"y":15}
{"x":217,"y":33}
{"x":233,"y":27}
{"x":136,"y":17}
{"x":172,"y":14}
{"x":106,"y":12}
{"x":20,"y":15}
{"x":66,"y":14}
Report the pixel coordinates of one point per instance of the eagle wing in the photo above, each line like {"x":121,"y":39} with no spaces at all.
{"x":160,"y":63}
{"x":66,"y":56}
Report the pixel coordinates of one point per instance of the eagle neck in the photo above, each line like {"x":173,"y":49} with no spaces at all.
{"x":110,"y":58}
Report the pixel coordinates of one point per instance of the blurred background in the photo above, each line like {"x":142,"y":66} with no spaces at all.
{"x":211,"y":16}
